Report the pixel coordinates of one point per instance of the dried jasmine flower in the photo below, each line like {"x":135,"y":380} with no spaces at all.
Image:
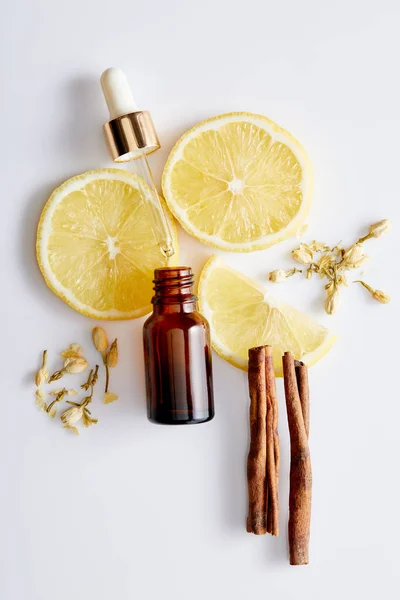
{"x":280,"y":275}
{"x":376,"y":294}
{"x":42,"y":375}
{"x":73,"y":415}
{"x":71,"y":365}
{"x":303,"y":254}
{"x":353,"y":255}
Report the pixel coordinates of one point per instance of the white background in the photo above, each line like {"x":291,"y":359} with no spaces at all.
{"x":132,"y":510}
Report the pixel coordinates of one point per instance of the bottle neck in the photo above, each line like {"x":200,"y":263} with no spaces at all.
{"x":173,"y":290}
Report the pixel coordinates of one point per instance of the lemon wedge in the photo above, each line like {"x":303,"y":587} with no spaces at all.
{"x":242,"y":314}
{"x":95,"y":246}
{"x":238,"y":182}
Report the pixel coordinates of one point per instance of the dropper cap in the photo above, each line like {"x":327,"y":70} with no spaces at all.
{"x":130,"y":133}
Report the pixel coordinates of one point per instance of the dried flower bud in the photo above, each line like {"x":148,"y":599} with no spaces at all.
{"x":99,"y":338}
{"x":381,"y":296}
{"x":309,"y":273}
{"x":73,"y":351}
{"x":332,"y":300}
{"x":376,"y":294}
{"x":42,"y":375}
{"x":72,"y":415}
{"x":112,"y":355}
{"x":303,"y":254}
{"x":353,"y":255}
{"x":75,"y":365}
{"x":277,"y":276}
{"x":380,"y":228}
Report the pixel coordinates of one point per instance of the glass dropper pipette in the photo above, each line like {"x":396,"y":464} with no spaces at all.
{"x":130,"y":136}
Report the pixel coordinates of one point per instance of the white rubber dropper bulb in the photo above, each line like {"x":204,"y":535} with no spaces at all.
{"x":117,"y":93}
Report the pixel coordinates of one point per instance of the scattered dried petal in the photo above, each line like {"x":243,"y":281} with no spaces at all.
{"x":319,"y":246}
{"x":40,"y":399}
{"x":74,"y":429}
{"x":73,"y":351}
{"x":110,"y":397}
{"x":53,"y":411}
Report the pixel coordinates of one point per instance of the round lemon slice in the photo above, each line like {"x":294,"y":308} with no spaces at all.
{"x":238,"y":182}
{"x":242,"y":314}
{"x":95,"y":246}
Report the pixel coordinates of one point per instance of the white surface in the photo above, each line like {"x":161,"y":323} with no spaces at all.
{"x":117,"y":92}
{"x":131,"y":510}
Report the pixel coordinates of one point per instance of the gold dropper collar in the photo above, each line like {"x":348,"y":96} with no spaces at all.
{"x":130,"y":136}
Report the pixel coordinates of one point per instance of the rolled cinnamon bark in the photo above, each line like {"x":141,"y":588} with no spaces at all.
{"x":300,"y":468}
{"x":272,"y":445}
{"x":257,"y":457}
{"x":304,"y":392}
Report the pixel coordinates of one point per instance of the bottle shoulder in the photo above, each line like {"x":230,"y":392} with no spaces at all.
{"x":176,"y":320}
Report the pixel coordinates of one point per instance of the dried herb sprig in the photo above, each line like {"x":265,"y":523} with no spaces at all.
{"x":110,"y":358}
{"x":333,"y":264}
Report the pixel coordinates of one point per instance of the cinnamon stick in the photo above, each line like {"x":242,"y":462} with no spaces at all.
{"x":304,"y":393}
{"x":257,"y":457}
{"x":300,"y":468}
{"x":272,"y":445}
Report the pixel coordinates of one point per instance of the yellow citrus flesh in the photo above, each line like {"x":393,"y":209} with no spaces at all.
{"x":238,"y":182}
{"x":242,"y":315}
{"x":95,"y":245}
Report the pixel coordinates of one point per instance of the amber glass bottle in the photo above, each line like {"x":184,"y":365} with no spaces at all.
{"x":177,"y":352}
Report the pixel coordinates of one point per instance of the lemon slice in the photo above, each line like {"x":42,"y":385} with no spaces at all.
{"x":242,"y":315}
{"x":95,"y":246}
{"x":238,"y":182}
